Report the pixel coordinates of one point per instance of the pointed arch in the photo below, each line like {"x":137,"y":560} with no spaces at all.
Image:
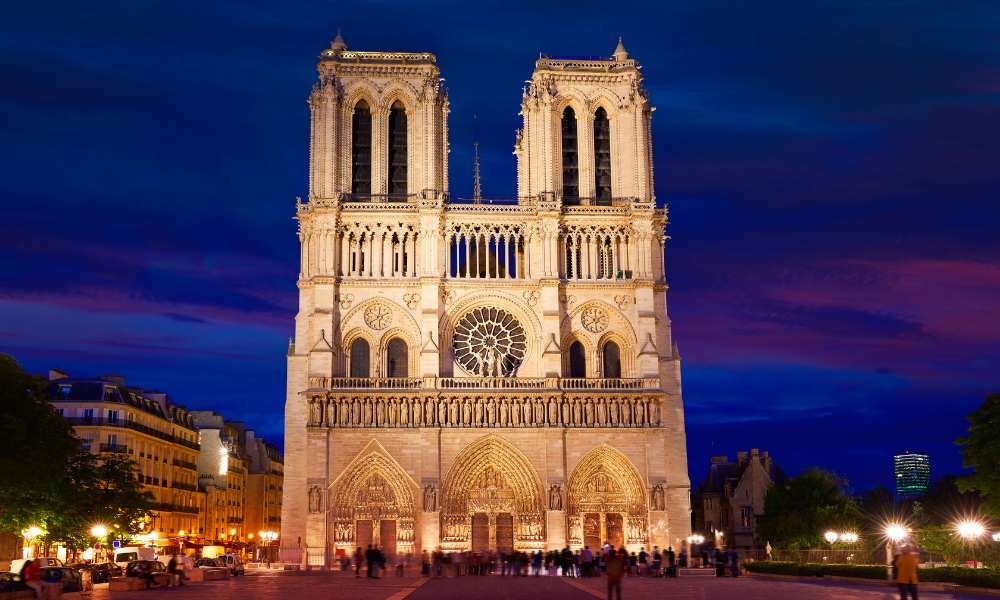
{"x":606,"y":480}
{"x":492,"y":476}
{"x":602,"y":155}
{"x":361,"y":148}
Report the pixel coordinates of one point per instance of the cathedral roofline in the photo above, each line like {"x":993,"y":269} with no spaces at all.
{"x":358,"y":56}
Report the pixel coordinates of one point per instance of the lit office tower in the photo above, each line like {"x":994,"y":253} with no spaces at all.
{"x":913,"y":474}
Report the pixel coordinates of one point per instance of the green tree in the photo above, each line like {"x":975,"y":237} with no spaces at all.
{"x":798,"y":513}
{"x":49,"y":480}
{"x":981,"y":453}
{"x":36,"y":449}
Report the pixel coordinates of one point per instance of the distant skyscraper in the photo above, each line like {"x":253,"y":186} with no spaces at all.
{"x":913,"y":474}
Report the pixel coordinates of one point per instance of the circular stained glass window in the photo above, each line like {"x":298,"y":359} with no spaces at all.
{"x":489,"y":342}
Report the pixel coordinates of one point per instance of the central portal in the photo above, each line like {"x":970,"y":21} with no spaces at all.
{"x":480,"y":532}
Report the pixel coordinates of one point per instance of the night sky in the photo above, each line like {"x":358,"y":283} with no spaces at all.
{"x":831,"y":168}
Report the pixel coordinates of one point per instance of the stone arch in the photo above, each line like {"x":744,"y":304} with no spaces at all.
{"x":617,"y":321}
{"x":588,"y":348}
{"x":402,"y":317}
{"x":515,"y":306}
{"x":492,"y":477}
{"x":372,"y":489}
{"x":626,"y":353}
{"x":606,"y":491}
{"x":606,"y":99}
{"x":349,"y":338}
{"x":412,"y":350}
{"x":398,"y":91}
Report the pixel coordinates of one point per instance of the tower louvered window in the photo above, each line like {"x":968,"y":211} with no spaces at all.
{"x":602,"y":156}
{"x":361,"y":150}
{"x":570,"y":169}
{"x":397,"y":151}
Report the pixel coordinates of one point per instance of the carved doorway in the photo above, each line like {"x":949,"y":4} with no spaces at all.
{"x":616,"y":530}
{"x":364,"y":534}
{"x":592,"y":530}
{"x":505,"y":532}
{"x":387,"y":537}
{"x":480,"y":532}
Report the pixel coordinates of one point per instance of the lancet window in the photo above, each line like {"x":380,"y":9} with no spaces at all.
{"x":596,"y":253}
{"x":577,"y":360}
{"x":570,"y":168}
{"x":361,"y":150}
{"x":397,"y":152}
{"x":602,"y":156}
{"x":378,"y":250}
{"x":397,"y":359}
{"x":612,"y":360}
{"x":360,"y":358}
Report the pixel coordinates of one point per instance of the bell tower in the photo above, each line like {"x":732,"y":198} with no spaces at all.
{"x":379,"y":126}
{"x":586,"y":135}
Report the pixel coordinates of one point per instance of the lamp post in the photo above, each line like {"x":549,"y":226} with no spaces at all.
{"x":971,"y":531}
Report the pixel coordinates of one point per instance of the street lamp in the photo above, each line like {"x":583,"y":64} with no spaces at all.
{"x":99,"y":531}
{"x":996,"y":537}
{"x":849,"y":537}
{"x":831,"y":537}
{"x":970,"y":530}
{"x":895,"y":532}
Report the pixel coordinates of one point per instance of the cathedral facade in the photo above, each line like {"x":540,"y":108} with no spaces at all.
{"x":471,"y":375}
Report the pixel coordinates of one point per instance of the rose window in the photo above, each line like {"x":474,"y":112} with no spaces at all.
{"x":489,"y":342}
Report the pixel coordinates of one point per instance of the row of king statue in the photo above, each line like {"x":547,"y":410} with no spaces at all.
{"x":472,"y":375}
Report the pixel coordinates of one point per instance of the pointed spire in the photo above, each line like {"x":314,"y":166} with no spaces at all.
{"x":620,"y":52}
{"x":338,"y":42}
{"x":477,"y":189}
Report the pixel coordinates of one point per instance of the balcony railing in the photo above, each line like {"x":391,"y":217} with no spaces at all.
{"x":487,"y":383}
{"x":129,"y":424}
{"x":180,"y":485}
{"x":114,"y":448}
{"x":232,"y":520}
{"x":185,"y":465}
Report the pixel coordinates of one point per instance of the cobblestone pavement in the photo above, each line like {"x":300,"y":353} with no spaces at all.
{"x":276,"y":584}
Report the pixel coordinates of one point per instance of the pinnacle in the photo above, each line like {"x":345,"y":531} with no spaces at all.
{"x":338,"y":42}
{"x":620,"y":52}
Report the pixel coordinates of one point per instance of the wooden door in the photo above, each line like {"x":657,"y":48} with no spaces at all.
{"x":480,"y":532}
{"x":387,"y":536}
{"x":592,"y":530}
{"x":616,"y":531}
{"x":363,"y":534}
{"x":505,"y":532}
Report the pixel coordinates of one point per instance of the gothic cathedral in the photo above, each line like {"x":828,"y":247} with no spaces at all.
{"x":481,"y":376}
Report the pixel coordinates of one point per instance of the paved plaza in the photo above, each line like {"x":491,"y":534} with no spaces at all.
{"x":270,"y":585}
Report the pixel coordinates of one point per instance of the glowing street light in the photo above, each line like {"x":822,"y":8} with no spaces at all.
{"x":831,"y":536}
{"x":849,"y":537}
{"x":31,"y":532}
{"x":970,"y":529}
{"x":996,"y":537}
{"x":99,"y":531}
{"x":895,"y":532}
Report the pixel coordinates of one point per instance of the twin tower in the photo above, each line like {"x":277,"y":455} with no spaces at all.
{"x":471,"y":376}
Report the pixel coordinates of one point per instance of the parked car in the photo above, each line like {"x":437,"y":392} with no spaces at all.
{"x":47,"y":561}
{"x":100,"y":572}
{"x":137,"y":567}
{"x":233,"y":562}
{"x":72,"y":580}
{"x":11,"y":582}
{"x":208,"y":563}
{"x":123,"y":556}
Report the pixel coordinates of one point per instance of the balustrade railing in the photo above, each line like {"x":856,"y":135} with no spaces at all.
{"x":133,"y":425}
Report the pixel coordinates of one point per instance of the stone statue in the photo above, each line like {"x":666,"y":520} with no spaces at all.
{"x":555,"y":498}
{"x":315,"y":416}
{"x":658,"y":502}
{"x":315,"y":499}
{"x":430,"y":499}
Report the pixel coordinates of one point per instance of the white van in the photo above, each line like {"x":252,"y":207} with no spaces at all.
{"x":233,"y":562}
{"x":126,"y":554}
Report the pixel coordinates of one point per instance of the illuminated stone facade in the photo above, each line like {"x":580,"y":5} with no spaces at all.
{"x":485,"y":376}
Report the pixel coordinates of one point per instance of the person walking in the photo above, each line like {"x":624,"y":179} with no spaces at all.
{"x":906,"y":573}
{"x":615,"y":573}
{"x":31,"y":575}
{"x":358,"y":558}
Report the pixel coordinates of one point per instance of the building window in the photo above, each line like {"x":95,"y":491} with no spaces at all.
{"x":577,"y":360}
{"x":361,"y":150}
{"x":746,"y":516}
{"x":602,"y":156}
{"x":113,"y":416}
{"x":570,"y":168}
{"x":359,"y":366}
{"x":612,"y":360}
{"x":397,"y":357}
{"x":62,"y":412}
{"x":64,"y":391}
{"x":397,"y":151}
{"x":88,"y":415}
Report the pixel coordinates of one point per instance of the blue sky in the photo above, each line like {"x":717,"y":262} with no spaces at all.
{"x":831,"y":170}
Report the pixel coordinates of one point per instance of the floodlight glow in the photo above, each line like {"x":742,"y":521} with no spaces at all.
{"x":996,"y":537}
{"x":830,"y":537}
{"x":970,"y":529}
{"x":31,"y":532}
{"x":895,"y":532}
{"x":849,"y":537}
{"x":98,"y":531}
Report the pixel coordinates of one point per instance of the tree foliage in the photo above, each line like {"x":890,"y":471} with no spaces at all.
{"x":50,"y":480}
{"x":798,"y":513}
{"x":981,"y":453}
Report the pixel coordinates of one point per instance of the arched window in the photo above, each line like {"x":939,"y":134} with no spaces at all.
{"x":360,"y":364}
{"x":602,"y":156}
{"x":361,"y":150}
{"x":570,"y":170}
{"x":612,"y":360}
{"x":397,"y":359}
{"x":397,"y":151}
{"x":577,"y":360}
